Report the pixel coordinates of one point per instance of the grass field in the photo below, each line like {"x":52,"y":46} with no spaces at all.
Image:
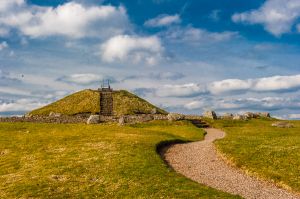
{"x":262,"y":150}
{"x":89,"y":161}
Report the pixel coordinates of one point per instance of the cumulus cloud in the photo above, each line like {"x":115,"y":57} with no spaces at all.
{"x":294,"y":116}
{"x":71,"y":19}
{"x":183,"y":90}
{"x":9,"y":4}
{"x":277,"y":16}
{"x":132,"y":48}
{"x":83,"y":79}
{"x":163,"y":20}
{"x":272,"y":104}
{"x":194,"y":105}
{"x":20,"y":105}
{"x":277,"y":83}
{"x":232,"y":86}
{"x":190,"y":34}
{"x":229,"y":85}
{"x":268,"y":84}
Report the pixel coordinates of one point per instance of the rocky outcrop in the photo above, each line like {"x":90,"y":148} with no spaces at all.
{"x":93,"y":119}
{"x":283,"y":125}
{"x":175,"y":117}
{"x":210,"y":115}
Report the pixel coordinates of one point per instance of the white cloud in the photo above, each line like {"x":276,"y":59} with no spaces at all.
{"x":183,"y":90}
{"x":268,"y":84}
{"x":82,"y":78}
{"x":229,"y":85}
{"x":277,"y":16}
{"x":13,"y":91}
{"x":9,"y":4}
{"x":20,"y":105}
{"x":132,"y":48}
{"x":70,"y":19}
{"x":163,"y":20}
{"x":294,"y":116}
{"x":3,"y":45}
{"x":190,"y":34}
{"x":194,"y":105}
{"x":277,"y":83}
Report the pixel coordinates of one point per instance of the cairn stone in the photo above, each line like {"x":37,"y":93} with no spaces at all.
{"x":264,"y":114}
{"x":282,"y":125}
{"x":160,"y":117}
{"x":93,"y":119}
{"x":249,"y":115}
{"x":154,"y":111}
{"x":227,"y":116}
{"x":52,"y":114}
{"x":121,"y":120}
{"x":239,"y":117}
{"x":27,"y":115}
{"x":210,"y":115}
{"x":175,"y":117}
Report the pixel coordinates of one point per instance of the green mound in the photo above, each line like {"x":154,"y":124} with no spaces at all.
{"x":88,"y":101}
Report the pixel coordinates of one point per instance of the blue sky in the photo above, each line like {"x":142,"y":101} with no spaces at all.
{"x":185,"y":56}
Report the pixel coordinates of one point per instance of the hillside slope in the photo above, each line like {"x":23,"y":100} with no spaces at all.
{"x":88,"y":101}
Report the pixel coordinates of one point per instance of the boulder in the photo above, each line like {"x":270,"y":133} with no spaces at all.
{"x":249,"y":115}
{"x":121,"y":120}
{"x":175,"y":117}
{"x":93,"y":119}
{"x":264,"y":114}
{"x":154,"y":111}
{"x":239,"y":117}
{"x":210,"y":115}
{"x":27,"y":115}
{"x":160,"y":117}
{"x":52,"y":114}
{"x":227,"y":116}
{"x":282,"y":125}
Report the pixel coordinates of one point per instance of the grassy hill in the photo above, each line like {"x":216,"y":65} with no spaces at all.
{"x":94,"y":161}
{"x":88,"y":101}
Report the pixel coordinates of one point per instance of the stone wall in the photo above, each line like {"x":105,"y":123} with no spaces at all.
{"x":63,"y":119}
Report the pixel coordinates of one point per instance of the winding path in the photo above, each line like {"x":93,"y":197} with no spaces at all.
{"x":199,"y":161}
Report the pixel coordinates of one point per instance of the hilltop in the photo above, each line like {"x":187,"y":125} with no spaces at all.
{"x":88,"y":102}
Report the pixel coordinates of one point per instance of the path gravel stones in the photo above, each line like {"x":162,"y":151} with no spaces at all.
{"x":199,"y":161}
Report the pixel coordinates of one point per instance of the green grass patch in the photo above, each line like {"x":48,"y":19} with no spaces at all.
{"x":262,"y":150}
{"x":88,"y":101}
{"x":88,"y":161}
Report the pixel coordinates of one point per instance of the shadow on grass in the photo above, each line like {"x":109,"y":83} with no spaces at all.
{"x":162,"y":147}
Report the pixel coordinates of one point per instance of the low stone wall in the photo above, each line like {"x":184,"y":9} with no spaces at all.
{"x":63,"y":119}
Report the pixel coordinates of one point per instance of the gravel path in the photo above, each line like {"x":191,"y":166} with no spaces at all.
{"x":199,"y":161}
